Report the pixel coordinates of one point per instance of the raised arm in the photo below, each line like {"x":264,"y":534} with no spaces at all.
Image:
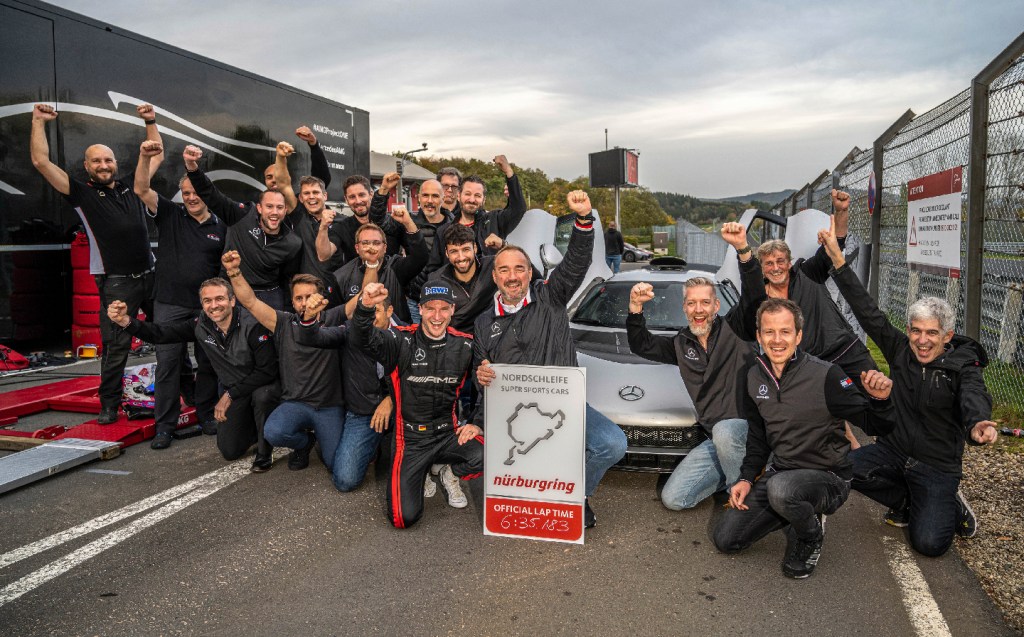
{"x":509,"y":217}
{"x":283,"y":178}
{"x":381,"y":345}
{"x":228,"y":209}
{"x":641,"y":342}
{"x":157,"y":333}
{"x":742,"y":317}
{"x":148,"y":115}
{"x":318,"y":166}
{"x":143,"y":173}
{"x":266,"y":315}
{"x":817,"y":267}
{"x":568,"y":275}
{"x":39,"y":149}
{"x":325,"y":248}
{"x":406,"y":268}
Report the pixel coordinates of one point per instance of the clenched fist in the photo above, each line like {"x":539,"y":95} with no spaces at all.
{"x":373,"y":294}
{"x":44,"y":112}
{"x":151,"y":148}
{"x":284,"y":149}
{"x":146,"y":111}
{"x":579,"y":202}
{"x":192,"y":155}
{"x":306,"y":135}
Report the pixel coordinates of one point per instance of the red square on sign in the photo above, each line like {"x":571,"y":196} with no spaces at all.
{"x":531,"y":519}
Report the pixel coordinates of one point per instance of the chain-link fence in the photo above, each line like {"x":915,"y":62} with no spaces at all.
{"x":697,"y":246}
{"x":939,"y":140}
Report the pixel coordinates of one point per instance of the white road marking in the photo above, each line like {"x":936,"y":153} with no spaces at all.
{"x":924,"y":613}
{"x":210,"y":484}
{"x":109,"y":472}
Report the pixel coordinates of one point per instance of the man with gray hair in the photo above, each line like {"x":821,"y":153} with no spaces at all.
{"x":451,"y":181}
{"x":713,"y":362}
{"x":941,"y":402}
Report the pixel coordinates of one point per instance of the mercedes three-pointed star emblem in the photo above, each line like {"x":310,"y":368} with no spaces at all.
{"x":631,"y":393}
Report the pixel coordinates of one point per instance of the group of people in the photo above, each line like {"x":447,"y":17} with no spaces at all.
{"x":345,"y":332}
{"x":777,"y":381}
{"x":316,"y":329}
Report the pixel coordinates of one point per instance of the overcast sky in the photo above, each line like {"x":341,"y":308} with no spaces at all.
{"x":721,"y":98}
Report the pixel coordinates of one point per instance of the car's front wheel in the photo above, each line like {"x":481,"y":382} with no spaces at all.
{"x":629,"y":257}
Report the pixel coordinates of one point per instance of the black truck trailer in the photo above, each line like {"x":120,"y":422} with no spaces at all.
{"x":95,"y":74}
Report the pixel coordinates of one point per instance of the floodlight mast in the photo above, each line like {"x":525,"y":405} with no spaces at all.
{"x":401,"y":195}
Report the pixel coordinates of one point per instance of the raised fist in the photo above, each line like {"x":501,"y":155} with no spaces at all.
{"x":579,"y":202}
{"x":44,"y":112}
{"x":231,"y":260}
{"x":192,"y":155}
{"x":493,"y":242}
{"x":315,"y":304}
{"x":735,"y":234}
{"x":151,"y":148}
{"x":117,"y":312}
{"x":876,"y":384}
{"x":284,"y":149}
{"x":373,"y":294}
{"x":640,"y":294}
{"x":502,"y":163}
{"x":306,"y":135}
{"x":840,"y":201}
{"x":146,"y":111}
{"x":390,"y":180}
{"x":327,"y":217}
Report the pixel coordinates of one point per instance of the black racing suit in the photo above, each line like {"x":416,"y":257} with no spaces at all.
{"x":426,"y":377}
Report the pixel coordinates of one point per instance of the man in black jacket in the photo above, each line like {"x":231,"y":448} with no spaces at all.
{"x":469,"y":277}
{"x":527,"y":324}
{"x":243,"y":355}
{"x":713,"y":362}
{"x":941,"y":403}
{"x":614,"y":246}
{"x":796,"y":405}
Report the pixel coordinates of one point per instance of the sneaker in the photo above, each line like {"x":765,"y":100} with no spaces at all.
{"x":967,"y":522}
{"x":429,"y":488}
{"x":209,"y":428}
{"x":589,"y":519}
{"x":261,"y":464}
{"x":801,"y":556}
{"x":456,"y":498}
{"x":435,"y":469}
{"x":108,"y":416}
{"x":161,"y":441}
{"x":298,"y":459}
{"x":900,"y":518}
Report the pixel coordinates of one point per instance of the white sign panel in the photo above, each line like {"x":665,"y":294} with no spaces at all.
{"x":534,"y":452}
{"x":933,"y":220}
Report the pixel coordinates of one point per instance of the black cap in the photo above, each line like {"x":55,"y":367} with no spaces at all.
{"x":436,"y":292}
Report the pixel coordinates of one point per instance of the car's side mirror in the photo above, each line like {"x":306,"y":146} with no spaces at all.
{"x":550,"y":257}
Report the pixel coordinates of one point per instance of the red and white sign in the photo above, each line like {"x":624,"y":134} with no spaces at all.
{"x":934,"y":207}
{"x":632,"y":168}
{"x":535,"y":452}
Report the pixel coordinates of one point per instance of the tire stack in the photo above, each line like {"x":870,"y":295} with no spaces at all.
{"x":85,"y":300}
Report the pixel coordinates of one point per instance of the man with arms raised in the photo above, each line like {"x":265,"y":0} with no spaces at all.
{"x":527,"y":324}
{"x":367,"y":208}
{"x":796,"y":405}
{"x":429,"y":220}
{"x":469,"y":276}
{"x":941,"y":402}
{"x":120,"y":258}
{"x":241,"y":352}
{"x":713,"y":361}
{"x":191,"y":242}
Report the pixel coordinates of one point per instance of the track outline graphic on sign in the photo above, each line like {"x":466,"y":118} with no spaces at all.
{"x":518,"y":447}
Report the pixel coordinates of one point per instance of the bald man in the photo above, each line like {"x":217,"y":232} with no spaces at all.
{"x":120,"y":257}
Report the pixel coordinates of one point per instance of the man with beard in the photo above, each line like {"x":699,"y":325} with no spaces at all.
{"x":120,"y":258}
{"x":374,"y":264}
{"x":191,"y":242}
{"x":428,"y":364}
{"x":366,"y":208}
{"x":243,"y":355}
{"x":499,"y":223}
{"x":796,"y":469}
{"x":268,"y":247}
{"x":527,"y":324}
{"x":941,"y":403}
{"x":318,"y":162}
{"x":313,"y":223}
{"x":469,"y":276}
{"x":713,"y":362}
{"x":451,"y":180}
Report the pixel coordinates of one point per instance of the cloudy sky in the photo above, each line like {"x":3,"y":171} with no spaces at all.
{"x":721,"y":98}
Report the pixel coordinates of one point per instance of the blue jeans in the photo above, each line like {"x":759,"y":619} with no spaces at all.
{"x":614,"y":262}
{"x":606,"y":444}
{"x":414,"y":311}
{"x":887,"y":476}
{"x":712,"y":466}
{"x":287,"y":427}
{"x":354,"y":452}
{"x":779,"y":498}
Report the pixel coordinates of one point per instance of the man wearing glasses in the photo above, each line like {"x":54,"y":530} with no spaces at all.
{"x":451,"y":180}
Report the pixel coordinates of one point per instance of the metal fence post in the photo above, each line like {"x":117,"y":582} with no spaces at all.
{"x":876,"y":219}
{"x":977,"y":179}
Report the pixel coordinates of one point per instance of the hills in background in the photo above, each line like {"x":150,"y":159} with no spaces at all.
{"x":766,"y":197}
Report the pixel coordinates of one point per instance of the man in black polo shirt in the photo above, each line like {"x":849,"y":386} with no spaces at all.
{"x":191,"y":242}
{"x":120,"y":257}
{"x":367,"y":208}
{"x":313,"y":223}
{"x":268,"y":247}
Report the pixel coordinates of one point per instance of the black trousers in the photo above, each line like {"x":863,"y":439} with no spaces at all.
{"x":244,"y":425}
{"x":412,"y":453}
{"x":174,"y":370}
{"x":117,"y":343}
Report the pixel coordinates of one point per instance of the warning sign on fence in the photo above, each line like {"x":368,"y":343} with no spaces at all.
{"x":933,"y":221}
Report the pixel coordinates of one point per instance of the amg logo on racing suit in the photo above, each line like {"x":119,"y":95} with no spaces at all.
{"x":433,"y":379}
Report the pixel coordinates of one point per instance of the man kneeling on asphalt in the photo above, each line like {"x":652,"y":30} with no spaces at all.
{"x":941,"y":402}
{"x":428,"y":365}
{"x":796,"y":405}
{"x":312,"y":404}
{"x":243,"y":355}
